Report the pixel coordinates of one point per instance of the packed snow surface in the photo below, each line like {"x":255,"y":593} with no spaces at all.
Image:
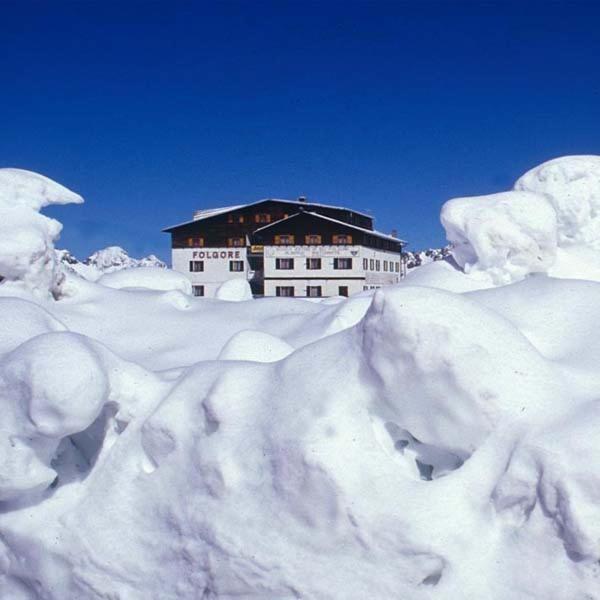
{"x":437,"y":439}
{"x":152,"y":278}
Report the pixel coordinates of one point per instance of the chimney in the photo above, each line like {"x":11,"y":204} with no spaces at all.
{"x":394,"y":233}
{"x":302,"y":199}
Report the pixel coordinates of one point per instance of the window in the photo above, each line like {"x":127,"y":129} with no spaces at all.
{"x":342,"y":263}
{"x":342,"y":239}
{"x":313,"y":291}
{"x":365,"y":288}
{"x":343,"y":290}
{"x":365,"y":264}
{"x":236,"y":265}
{"x":196,"y":266}
{"x":312,"y":239}
{"x":313,"y":263}
{"x":236,"y":242}
{"x":377,"y":265}
{"x":284,"y":263}
{"x":235,"y":218}
{"x":284,"y":290}
{"x":397,"y":267}
{"x":284,"y":240}
{"x":198,"y":290}
{"x":262,"y":218}
{"x":372,"y":264}
{"x":385,"y":265}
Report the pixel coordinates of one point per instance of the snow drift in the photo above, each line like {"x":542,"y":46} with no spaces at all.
{"x":550,"y":223}
{"x":411,"y":443}
{"x":27,"y":259}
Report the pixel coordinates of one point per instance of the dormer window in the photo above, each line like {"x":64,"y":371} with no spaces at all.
{"x":344,"y":238}
{"x":262,"y":218}
{"x":284,"y":240}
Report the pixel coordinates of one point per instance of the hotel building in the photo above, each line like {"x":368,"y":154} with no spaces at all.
{"x":285,"y":248}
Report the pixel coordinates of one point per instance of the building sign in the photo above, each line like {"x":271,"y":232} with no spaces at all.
{"x":208,"y":254}
{"x":257,"y":249}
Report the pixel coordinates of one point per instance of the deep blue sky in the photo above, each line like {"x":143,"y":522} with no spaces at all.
{"x":153,"y":109}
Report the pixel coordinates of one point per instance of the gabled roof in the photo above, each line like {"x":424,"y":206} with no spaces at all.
{"x":319,"y":216}
{"x":208,"y":213}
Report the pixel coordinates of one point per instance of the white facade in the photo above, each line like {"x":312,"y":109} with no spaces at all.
{"x":208,"y":268}
{"x":370,"y":268}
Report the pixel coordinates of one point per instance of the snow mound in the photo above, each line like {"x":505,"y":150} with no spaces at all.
{"x":418,"y":442}
{"x":27,"y":258}
{"x":450,"y":386}
{"x":501,"y":236}
{"x":255,"y":346}
{"x":150,"y":278}
{"x":234,"y":290}
{"x":44,"y":398}
{"x":572,"y":185}
{"x":21,"y":320}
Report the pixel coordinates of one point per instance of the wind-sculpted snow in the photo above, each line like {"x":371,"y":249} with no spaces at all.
{"x":572,"y":186}
{"x":27,"y":258}
{"x":409,"y":443}
{"x":502,"y":236}
{"x":549,"y":223}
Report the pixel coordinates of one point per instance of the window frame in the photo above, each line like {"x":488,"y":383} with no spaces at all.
{"x":238,"y":263}
{"x":317,"y":241}
{"x":194,"y":263}
{"x":278,"y":263}
{"x":279,"y":288}
{"x":337,"y":261}
{"x":289,"y":239}
{"x":336,"y":239}
{"x":231,"y":242}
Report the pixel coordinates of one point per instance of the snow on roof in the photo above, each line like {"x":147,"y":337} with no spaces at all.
{"x":372,"y":232}
{"x":207,"y":213}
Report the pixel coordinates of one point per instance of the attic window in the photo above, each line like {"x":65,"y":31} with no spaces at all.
{"x":262,"y":218}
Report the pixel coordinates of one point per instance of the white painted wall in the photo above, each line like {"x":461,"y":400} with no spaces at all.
{"x":355,"y":278}
{"x":329,"y":287}
{"x":216,"y":266}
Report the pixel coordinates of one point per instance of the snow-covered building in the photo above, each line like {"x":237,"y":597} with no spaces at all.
{"x":285,"y":248}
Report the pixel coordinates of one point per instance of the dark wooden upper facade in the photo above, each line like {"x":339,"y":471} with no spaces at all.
{"x":237,"y":227}
{"x":308,"y":228}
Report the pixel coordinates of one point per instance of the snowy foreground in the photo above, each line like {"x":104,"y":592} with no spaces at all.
{"x":438,"y":439}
